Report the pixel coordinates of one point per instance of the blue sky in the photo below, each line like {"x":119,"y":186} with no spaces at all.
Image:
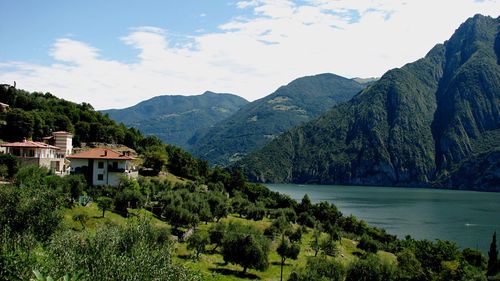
{"x":32,"y":26}
{"x":114,"y":54}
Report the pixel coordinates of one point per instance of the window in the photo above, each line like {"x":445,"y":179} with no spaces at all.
{"x":115,"y":165}
{"x":100,"y":177}
{"x":100,"y":165}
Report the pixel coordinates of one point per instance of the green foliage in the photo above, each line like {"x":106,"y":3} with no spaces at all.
{"x":319,"y":269}
{"x":301,"y":100}
{"x":8,"y":166}
{"x":246,"y":246}
{"x":104,"y":203}
{"x":279,"y":226}
{"x":474,"y":258}
{"x":36,"y":115}
{"x":431,"y":122}
{"x":367,"y":244}
{"x":139,"y":250}
{"x":371,"y":269}
{"x":155,"y":158}
{"x":81,"y":218}
{"x":197,"y":242}
{"x":328,"y":245}
{"x":493,"y":264}
{"x":31,"y":177}
{"x":409,"y":268}
{"x":177,"y":119}
{"x":287,"y":250}
{"x":29,"y":211}
{"x":216,"y":233}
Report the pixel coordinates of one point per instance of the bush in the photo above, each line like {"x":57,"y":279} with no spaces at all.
{"x":10,"y":166}
{"x":246,"y":246}
{"x":137,"y":251}
{"x":319,"y":268}
{"x":367,"y":244}
{"x":371,"y":269}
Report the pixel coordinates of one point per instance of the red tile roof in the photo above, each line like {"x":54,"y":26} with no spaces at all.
{"x":30,"y":144}
{"x":99,"y":153}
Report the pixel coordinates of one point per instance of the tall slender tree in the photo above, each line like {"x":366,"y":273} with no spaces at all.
{"x":493,"y":256}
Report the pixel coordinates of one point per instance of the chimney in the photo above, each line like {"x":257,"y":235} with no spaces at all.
{"x":105,"y":153}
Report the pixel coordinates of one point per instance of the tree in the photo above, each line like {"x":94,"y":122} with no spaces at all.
{"x":104,"y":203}
{"x":287,"y":250}
{"x":197,"y":242}
{"x":219,"y":206}
{"x":409,"y":268}
{"x":10,"y":164}
{"x":493,"y":256}
{"x":367,"y":244}
{"x":319,"y":268}
{"x":371,"y":268}
{"x":155,"y":158}
{"x":315,"y":242}
{"x":246,"y":246}
{"x":216,"y":234}
{"x":81,"y":218}
{"x":180,"y":217}
{"x":474,"y":258}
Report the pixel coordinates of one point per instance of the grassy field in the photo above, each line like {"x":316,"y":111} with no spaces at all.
{"x":211,"y":264}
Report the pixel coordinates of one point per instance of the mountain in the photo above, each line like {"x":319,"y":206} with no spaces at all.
{"x":262,"y":120}
{"x":175,"y":119}
{"x":433,"y":122}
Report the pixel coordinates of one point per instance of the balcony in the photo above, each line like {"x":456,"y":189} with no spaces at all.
{"x":112,"y":169}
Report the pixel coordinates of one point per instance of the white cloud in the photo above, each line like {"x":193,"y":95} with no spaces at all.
{"x":252,"y":55}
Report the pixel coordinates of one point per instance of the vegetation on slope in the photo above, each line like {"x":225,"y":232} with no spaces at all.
{"x":257,"y":123}
{"x":37,"y":115}
{"x":417,"y":126}
{"x":176,"y":119}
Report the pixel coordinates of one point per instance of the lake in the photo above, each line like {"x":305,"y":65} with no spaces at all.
{"x":465,"y":217}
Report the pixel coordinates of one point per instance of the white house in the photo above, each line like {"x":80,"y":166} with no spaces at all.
{"x":101,"y":166}
{"x":37,"y":153}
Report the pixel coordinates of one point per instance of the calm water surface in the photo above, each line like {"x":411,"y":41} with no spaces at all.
{"x":465,"y":217}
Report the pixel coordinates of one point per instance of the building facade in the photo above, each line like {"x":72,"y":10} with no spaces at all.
{"x":102,"y":166}
{"x":37,"y":153}
{"x":50,"y":154}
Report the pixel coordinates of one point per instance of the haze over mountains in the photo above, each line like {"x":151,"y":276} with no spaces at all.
{"x":432,"y":122}
{"x":175,"y":119}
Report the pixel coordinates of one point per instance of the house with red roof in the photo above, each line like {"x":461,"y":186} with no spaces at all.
{"x":101,"y":166}
{"x":37,"y":153}
{"x":50,"y":154}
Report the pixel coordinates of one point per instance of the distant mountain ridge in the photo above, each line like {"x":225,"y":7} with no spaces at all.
{"x":258,"y":122}
{"x":434,"y":122}
{"x":175,"y":119}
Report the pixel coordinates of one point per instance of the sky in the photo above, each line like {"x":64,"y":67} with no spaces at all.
{"x":116,"y":53}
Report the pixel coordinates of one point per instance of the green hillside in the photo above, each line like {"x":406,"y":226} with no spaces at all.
{"x":36,"y":115}
{"x":175,"y":119}
{"x":419,"y":125}
{"x":260,"y":121}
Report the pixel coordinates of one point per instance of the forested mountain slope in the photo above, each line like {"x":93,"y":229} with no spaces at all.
{"x":175,"y":119}
{"x":432,"y":122}
{"x":262,"y":120}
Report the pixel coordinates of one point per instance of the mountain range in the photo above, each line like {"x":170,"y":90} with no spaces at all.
{"x":258,"y":122}
{"x":175,"y":119}
{"x":433,"y":122}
